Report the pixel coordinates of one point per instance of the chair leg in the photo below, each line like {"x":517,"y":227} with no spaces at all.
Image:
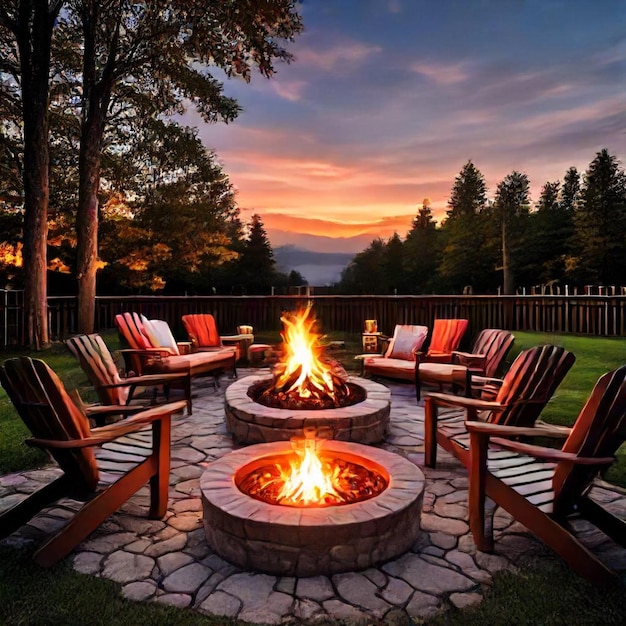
{"x":23,"y":511}
{"x":93,"y":513}
{"x":482,"y":534}
{"x":155,"y":470}
{"x":418,"y":385}
{"x":160,"y":482}
{"x":430,"y":433}
{"x":609,"y":524}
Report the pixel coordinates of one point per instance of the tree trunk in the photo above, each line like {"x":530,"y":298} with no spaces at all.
{"x":96,"y":97}
{"x":507,"y":275}
{"x":87,"y":221}
{"x":34,"y":37}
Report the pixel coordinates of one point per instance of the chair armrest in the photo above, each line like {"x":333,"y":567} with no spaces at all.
{"x":487,"y":380}
{"x":146,"y":351}
{"x":469,"y":359}
{"x":110,"y":409}
{"x":499,"y":430}
{"x":446,"y":399}
{"x":149,"y":379}
{"x":551,"y":454}
{"x":105,"y":434}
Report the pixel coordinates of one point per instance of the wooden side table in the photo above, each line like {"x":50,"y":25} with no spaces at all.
{"x":372,"y":342}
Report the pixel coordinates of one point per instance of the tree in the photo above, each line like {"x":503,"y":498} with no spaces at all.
{"x":256,"y":265}
{"x":392,"y":265}
{"x":600,"y":223}
{"x":364,"y":274}
{"x":422,"y":252}
{"x":511,"y":209}
{"x":570,"y":191}
{"x":551,"y":231}
{"x":464,"y":262}
{"x":141,"y":60}
{"x":26,"y":28}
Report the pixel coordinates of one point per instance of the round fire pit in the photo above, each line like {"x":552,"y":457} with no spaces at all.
{"x":251,"y":422}
{"x":309,"y":541}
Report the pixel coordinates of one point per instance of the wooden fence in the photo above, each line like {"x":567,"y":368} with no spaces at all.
{"x":587,"y":315}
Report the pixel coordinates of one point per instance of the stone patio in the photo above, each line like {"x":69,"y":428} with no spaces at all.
{"x":169,"y":561}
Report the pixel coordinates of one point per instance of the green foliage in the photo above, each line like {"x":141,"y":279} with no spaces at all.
{"x":600,"y":221}
{"x":465,"y":260}
{"x":255,"y":269}
{"x":422,"y":253}
{"x":364,"y":274}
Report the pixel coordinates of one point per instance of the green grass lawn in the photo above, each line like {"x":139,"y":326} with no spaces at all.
{"x":548,"y":595}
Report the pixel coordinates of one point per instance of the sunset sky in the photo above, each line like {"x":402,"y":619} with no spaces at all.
{"x":386,"y":100}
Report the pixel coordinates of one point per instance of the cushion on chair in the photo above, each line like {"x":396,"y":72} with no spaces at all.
{"x":393,"y":368}
{"x":160,"y":335}
{"x":406,"y":341}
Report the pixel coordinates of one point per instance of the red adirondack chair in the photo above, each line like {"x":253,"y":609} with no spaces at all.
{"x":61,"y":428}
{"x":543,"y":487}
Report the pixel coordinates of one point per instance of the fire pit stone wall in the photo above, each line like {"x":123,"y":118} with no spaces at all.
{"x":251,"y":422}
{"x":303,"y":541}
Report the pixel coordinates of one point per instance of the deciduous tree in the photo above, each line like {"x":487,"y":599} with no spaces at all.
{"x":146,"y":59}
{"x":26,"y":28}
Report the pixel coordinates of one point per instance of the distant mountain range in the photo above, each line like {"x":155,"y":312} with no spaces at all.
{"x":317,"y":243}
{"x":319,"y":259}
{"x":319,"y":268}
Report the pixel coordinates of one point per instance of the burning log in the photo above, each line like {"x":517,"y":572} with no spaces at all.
{"x":303,"y":378}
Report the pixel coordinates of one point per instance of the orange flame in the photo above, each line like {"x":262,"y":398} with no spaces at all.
{"x":302,"y":356}
{"x":306,"y":482}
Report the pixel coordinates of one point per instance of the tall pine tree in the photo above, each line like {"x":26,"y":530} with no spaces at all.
{"x":600,"y":223}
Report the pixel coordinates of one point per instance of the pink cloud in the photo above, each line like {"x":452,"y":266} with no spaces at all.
{"x":338,"y":55}
{"x":442,"y":74}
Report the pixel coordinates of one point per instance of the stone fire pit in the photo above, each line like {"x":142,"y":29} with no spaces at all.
{"x":302,"y":541}
{"x":251,"y":422}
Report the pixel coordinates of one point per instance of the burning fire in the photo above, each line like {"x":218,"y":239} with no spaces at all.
{"x":302,"y":361}
{"x":302,"y":379}
{"x":311,"y":479}
{"x":305,"y":481}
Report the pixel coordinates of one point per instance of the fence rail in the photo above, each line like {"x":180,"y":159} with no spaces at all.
{"x":586,"y":315}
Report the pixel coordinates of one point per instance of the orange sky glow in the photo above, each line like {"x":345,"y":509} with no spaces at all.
{"x":383,"y":105}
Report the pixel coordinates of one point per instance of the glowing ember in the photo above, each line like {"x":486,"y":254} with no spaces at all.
{"x":312,"y":480}
{"x":302,"y":376}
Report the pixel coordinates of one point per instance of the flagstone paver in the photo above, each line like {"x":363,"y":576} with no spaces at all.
{"x":169,"y":560}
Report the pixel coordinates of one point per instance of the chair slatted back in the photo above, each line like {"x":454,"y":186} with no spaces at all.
{"x":447,"y":335}
{"x":44,"y":405}
{"x":530,"y":382}
{"x":131,"y":329}
{"x":494,"y":343}
{"x":202,"y":330}
{"x":599,"y":431}
{"x":96,"y":360}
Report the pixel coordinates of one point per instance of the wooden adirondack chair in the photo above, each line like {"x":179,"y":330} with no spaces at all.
{"x":524,"y":391}
{"x":399,"y":358}
{"x":543,"y":487}
{"x":445,"y":339}
{"x":144,"y":357}
{"x":61,"y":428}
{"x":487,"y":354}
{"x":97,"y":362}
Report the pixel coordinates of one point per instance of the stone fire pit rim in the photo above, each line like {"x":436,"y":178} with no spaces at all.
{"x":217,"y":484}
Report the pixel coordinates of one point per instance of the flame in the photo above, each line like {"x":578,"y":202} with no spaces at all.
{"x":306,"y":482}
{"x":302,"y":357}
